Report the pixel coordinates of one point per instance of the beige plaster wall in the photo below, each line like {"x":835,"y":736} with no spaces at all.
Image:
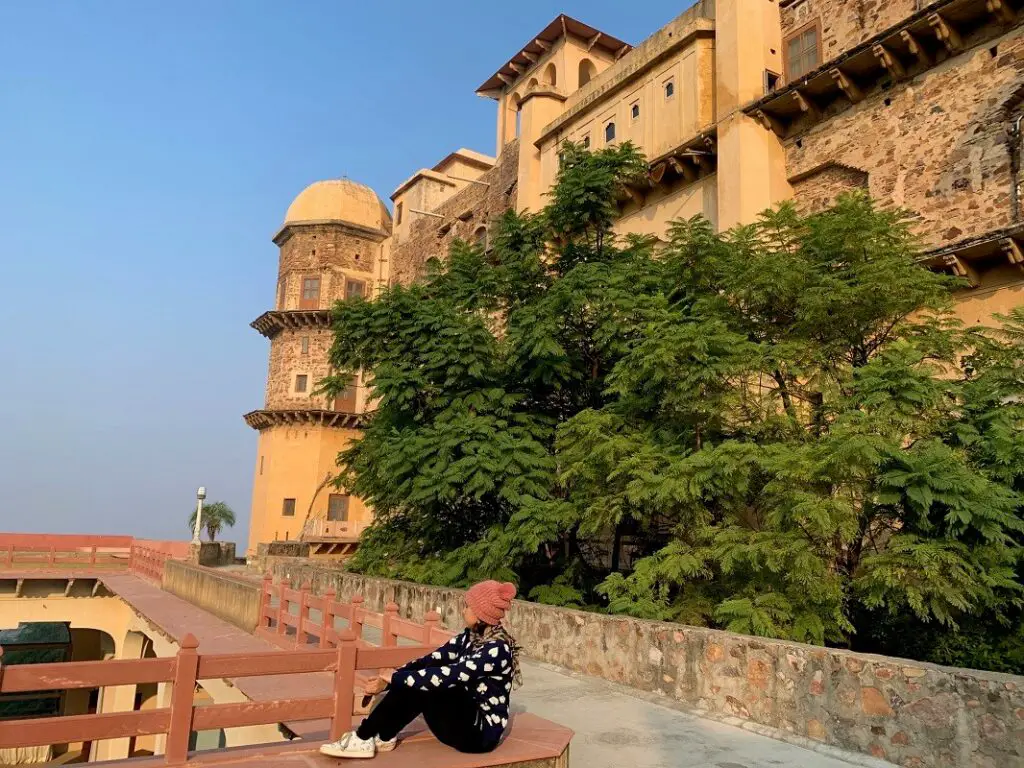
{"x":294,"y":462}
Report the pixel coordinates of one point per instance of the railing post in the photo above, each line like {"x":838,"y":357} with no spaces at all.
{"x":53,"y":556}
{"x":10,"y":555}
{"x":300,"y":626}
{"x":327,"y":617}
{"x":431,"y":622}
{"x":92,"y":555}
{"x":268,"y":583}
{"x":344,"y":685}
{"x":390,"y":611}
{"x":282,"y":606}
{"x":182,"y":699}
{"x":356,"y":623}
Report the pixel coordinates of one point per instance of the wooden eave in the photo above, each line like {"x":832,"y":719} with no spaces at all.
{"x":962,"y":258}
{"x":562,"y":26}
{"x":273,"y":322}
{"x":694,"y":159}
{"x":919,"y":43}
{"x":276,"y":417}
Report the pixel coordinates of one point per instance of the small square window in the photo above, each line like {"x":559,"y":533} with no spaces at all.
{"x":304,"y":343}
{"x":398,"y":214}
{"x":355,"y":288}
{"x":634,"y":111}
{"x":337,"y":507}
{"x":301,"y":382}
{"x":586,"y":141}
{"x":670,"y":89}
{"x":609,"y":133}
{"x":288,"y":508}
{"x":261,"y":464}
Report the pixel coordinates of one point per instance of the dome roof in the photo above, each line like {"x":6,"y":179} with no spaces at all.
{"x":339,"y":200}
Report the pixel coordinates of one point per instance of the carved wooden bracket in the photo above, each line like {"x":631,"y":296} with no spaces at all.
{"x":1003,"y":12}
{"x":889,"y":61}
{"x":946,"y":32}
{"x":847,"y":86}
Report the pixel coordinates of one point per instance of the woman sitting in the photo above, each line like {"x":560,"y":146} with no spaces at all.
{"x":462,"y":689}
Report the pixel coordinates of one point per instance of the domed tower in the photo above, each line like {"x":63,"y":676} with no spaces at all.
{"x":331,"y":247}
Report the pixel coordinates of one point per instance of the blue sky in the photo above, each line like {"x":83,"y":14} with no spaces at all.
{"x":148,"y":151}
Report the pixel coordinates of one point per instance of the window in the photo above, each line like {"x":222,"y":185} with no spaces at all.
{"x":310,"y":293}
{"x":551,"y":75}
{"x":771,"y":81}
{"x":354,"y":288}
{"x":480,"y":237}
{"x":634,"y":111}
{"x":802,"y":54}
{"x":288,"y":508}
{"x":346,"y":400}
{"x":586,"y":72}
{"x":670,"y":89}
{"x":398,"y":214}
{"x":609,"y":133}
{"x":261,"y":465}
{"x":586,"y":141}
{"x":304,"y":342}
{"x":337,"y":507}
{"x":301,"y":382}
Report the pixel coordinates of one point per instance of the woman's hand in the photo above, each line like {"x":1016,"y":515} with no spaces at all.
{"x":375,"y":686}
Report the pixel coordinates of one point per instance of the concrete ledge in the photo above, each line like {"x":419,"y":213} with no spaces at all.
{"x":231,"y":598}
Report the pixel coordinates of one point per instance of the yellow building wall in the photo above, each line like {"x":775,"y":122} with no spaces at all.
{"x":294,"y":462}
{"x":1000,"y":290}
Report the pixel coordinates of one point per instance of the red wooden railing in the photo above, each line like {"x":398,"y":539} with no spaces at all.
{"x":66,"y":552}
{"x":182,"y":671}
{"x":274,"y":620}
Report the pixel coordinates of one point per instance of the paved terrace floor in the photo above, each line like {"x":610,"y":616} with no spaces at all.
{"x":614,"y":727}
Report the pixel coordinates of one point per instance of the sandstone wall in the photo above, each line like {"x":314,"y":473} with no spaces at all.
{"x":236,"y":600}
{"x":845,"y":23}
{"x":911,"y":713}
{"x":287,"y":360}
{"x":329,"y":251}
{"x":464,"y":213}
{"x":937,"y":145}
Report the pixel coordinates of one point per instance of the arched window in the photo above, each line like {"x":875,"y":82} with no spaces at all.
{"x":480,"y":237}
{"x":551,"y":75}
{"x":587,"y":72}
{"x":517,"y":107}
{"x":533,"y":83}
{"x":609,"y":133}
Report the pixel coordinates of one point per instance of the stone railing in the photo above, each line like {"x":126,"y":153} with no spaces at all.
{"x":908,"y":712}
{"x":74,"y":553}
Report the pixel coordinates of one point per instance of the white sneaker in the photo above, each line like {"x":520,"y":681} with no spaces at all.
{"x":350,"y":745}
{"x":385,"y":746}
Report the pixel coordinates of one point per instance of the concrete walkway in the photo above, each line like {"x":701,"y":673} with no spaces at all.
{"x":615,"y":729}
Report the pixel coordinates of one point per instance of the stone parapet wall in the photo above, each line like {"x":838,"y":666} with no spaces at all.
{"x":910,"y":713}
{"x":232,"y":598}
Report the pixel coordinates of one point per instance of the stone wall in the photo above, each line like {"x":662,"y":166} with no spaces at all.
{"x":845,"y":23}
{"x":911,"y":713}
{"x":464,"y":213}
{"x":937,"y":144}
{"x":288,"y":360}
{"x":329,"y":251}
{"x":234,"y":599}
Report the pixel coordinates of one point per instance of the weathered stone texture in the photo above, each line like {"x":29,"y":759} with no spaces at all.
{"x":287,"y":360}
{"x":464,"y":213}
{"x":327,"y":251}
{"x":907,"y":712}
{"x":936,"y":145}
{"x":846,"y":23}
{"x":820,"y":187}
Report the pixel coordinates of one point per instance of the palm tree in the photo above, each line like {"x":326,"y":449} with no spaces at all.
{"x":216,"y":515}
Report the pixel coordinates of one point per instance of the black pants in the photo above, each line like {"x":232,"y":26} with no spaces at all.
{"x":450,"y":713}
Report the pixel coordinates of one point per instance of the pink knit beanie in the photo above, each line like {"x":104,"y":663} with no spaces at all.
{"x":489,"y":600}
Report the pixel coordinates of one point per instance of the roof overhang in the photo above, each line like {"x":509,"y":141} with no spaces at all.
{"x":485,"y":162}
{"x":265,"y":419}
{"x":562,"y":27}
{"x":423,"y":173}
{"x":273,"y":322}
{"x":377,"y":235}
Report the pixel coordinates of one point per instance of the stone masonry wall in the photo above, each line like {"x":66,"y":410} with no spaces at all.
{"x":324,"y":250}
{"x":936,"y":145}
{"x":465,"y":212}
{"x":910,"y":713}
{"x":287,"y":360}
{"x":845,"y":23}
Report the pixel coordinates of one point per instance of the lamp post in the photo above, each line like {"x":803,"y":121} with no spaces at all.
{"x":200,"y":495}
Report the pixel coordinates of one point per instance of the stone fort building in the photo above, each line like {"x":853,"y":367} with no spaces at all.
{"x":738,"y":104}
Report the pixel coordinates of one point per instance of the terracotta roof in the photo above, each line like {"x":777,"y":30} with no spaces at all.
{"x":562,"y":26}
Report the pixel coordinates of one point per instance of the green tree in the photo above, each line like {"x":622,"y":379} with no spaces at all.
{"x":777,"y":430}
{"x":216,"y":516}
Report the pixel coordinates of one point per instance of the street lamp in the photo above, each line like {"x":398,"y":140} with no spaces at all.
{"x":200,"y":495}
